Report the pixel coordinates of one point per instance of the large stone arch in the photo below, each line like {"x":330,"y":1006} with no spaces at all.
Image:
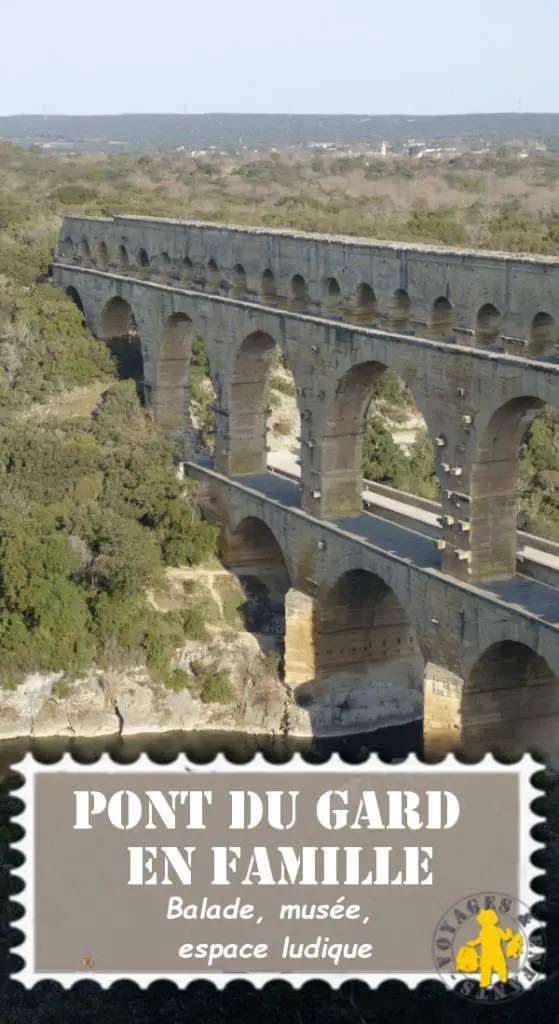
{"x":360,"y":621}
{"x":84,"y":252}
{"x":542,"y":335}
{"x":245,"y":397}
{"x":488,"y":323}
{"x":249,"y":548}
{"x":330,"y":570}
{"x":510,"y":702}
{"x":492,"y":461}
{"x":352,"y":651}
{"x":342,"y":432}
{"x":73,"y":294}
{"x":174,"y":353}
{"x":67,"y":248}
{"x":118,"y":326}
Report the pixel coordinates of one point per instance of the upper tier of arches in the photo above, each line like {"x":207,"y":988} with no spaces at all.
{"x":332,"y":297}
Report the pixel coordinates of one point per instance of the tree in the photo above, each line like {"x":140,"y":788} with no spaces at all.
{"x":383,"y":460}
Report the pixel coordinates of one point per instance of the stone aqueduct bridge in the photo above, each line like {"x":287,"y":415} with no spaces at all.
{"x":473,"y":336}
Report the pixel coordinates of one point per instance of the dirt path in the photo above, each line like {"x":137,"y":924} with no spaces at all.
{"x":78,"y":402}
{"x":207,"y":576}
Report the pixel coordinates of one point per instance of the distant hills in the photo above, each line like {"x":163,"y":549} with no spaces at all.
{"x":137,"y":132}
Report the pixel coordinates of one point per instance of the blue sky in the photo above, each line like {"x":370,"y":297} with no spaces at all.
{"x":291,"y":56}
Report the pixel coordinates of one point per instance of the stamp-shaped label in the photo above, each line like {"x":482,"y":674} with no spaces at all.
{"x":338,"y":871}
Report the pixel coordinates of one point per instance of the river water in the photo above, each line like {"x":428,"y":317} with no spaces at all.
{"x":391,"y":743}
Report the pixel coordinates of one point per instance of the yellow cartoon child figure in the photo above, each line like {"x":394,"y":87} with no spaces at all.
{"x":491,"y":956}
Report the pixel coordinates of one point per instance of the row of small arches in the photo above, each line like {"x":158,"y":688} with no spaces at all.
{"x":363,"y":309}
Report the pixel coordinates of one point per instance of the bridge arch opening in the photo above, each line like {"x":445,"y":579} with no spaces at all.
{"x":268,"y":288}
{"x":143,"y":263}
{"x":200,"y":437}
{"x":172,"y":371}
{"x":495,"y":512}
{"x":163,"y":267}
{"x":102,"y":256}
{"x":489,"y":326}
{"x":123,"y":260}
{"x":84,"y":252}
{"x":187,"y":275}
{"x":365,"y":306}
{"x":264,"y":419}
{"x":238,"y":282}
{"x":332,"y":299}
{"x":299,"y":294}
{"x":400,"y":312}
{"x":120,"y":331}
{"x":442,"y":319}
{"x":74,"y":295}
{"x":67,"y":249}
{"x":252,"y":554}
{"x":213,"y":278}
{"x":369,"y":665}
{"x":375,"y":433}
{"x":510,"y":703}
{"x":543,"y":335}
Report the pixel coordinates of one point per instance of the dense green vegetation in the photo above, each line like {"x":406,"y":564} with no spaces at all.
{"x":91,"y":512}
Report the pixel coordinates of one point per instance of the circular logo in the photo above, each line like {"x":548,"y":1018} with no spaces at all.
{"x":489,"y":948}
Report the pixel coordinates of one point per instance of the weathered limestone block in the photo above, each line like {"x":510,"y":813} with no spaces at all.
{"x":442,"y":721}
{"x":299,"y":638}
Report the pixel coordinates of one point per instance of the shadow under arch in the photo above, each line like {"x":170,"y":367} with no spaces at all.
{"x":143,"y":263}
{"x":493,"y":509}
{"x":369,"y":666}
{"x":174,"y":353}
{"x":365,"y":306}
{"x":441,"y":324}
{"x":488,"y":326}
{"x":67,"y":250}
{"x":399,"y":318}
{"x":249,"y":404}
{"x":510,"y":702}
{"x":344,"y":434}
{"x":75,"y":296}
{"x":84,"y":252}
{"x":102,"y":256}
{"x":250,"y":551}
{"x":543,"y":335}
{"x":120,"y":331}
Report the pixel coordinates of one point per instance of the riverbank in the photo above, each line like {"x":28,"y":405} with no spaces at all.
{"x":389,"y":742}
{"x":257,"y":703}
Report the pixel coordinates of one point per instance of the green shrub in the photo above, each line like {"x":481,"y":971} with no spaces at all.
{"x":283,"y":384}
{"x":217,"y":689}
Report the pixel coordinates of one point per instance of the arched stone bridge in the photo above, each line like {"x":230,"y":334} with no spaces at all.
{"x":359,"y":590}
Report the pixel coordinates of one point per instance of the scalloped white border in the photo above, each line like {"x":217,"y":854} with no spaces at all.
{"x":29,"y":768}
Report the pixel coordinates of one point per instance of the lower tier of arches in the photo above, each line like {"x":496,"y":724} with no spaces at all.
{"x":354,"y":659}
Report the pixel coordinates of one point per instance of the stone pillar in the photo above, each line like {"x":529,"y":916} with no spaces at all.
{"x":481,"y":543}
{"x":481,"y":501}
{"x":333,"y":480}
{"x":299,"y":638}
{"x":240,"y":443}
{"x":442,"y":716}
{"x":169,"y":403}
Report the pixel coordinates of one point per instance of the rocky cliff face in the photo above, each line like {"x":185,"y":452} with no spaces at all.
{"x":245,"y":650}
{"x":101,"y":704}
